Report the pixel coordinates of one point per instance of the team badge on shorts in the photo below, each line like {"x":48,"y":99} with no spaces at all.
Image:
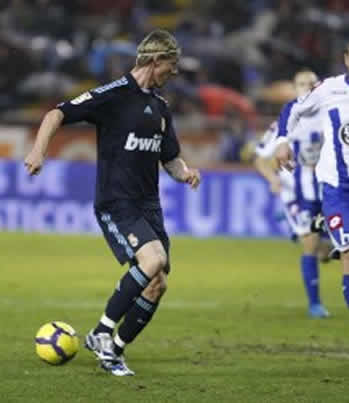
{"x":335,"y":221}
{"x":133,"y":240}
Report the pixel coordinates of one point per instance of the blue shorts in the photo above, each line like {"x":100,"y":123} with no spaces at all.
{"x":127,"y":227}
{"x":335,"y":208}
{"x":300,"y":214}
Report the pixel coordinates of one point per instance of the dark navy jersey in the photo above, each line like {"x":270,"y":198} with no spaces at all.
{"x":134,"y":133}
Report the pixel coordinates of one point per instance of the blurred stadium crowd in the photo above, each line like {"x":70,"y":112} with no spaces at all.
{"x":238,"y":56}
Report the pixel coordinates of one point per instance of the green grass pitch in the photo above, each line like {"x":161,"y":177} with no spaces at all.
{"x":232,"y":328}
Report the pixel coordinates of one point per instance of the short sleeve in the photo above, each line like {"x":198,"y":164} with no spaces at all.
{"x":283,"y":122}
{"x":303,"y":106}
{"x":88,"y":106}
{"x":170,"y":147}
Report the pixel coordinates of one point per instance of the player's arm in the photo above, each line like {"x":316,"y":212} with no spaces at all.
{"x":85,"y":107}
{"x":263,"y":157}
{"x":178,"y":170}
{"x":49,"y":125}
{"x":288,"y":120}
{"x":170,"y":158}
{"x":266,"y":169}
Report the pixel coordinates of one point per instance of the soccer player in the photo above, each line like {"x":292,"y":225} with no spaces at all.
{"x":299,"y":191}
{"x":330,"y":101}
{"x":134,"y":134}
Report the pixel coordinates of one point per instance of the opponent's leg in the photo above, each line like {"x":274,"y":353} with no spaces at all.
{"x":335,"y":209}
{"x":324,"y":251}
{"x":345,"y":265}
{"x":310,"y":274}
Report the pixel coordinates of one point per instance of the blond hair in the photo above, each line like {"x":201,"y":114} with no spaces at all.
{"x":158,"y":43}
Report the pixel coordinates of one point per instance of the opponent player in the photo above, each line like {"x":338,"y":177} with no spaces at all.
{"x":330,"y":101}
{"x":299,"y":191}
{"x":134,"y":134}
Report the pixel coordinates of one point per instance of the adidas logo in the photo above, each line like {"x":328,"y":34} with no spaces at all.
{"x":148,"y":110}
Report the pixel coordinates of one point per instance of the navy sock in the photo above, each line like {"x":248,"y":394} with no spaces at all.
{"x":346,"y":288}
{"x":129,"y":288}
{"x":136,"y":319}
{"x":309,"y":264}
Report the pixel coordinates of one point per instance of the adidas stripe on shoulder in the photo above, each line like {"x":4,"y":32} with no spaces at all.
{"x":86,"y":96}
{"x":114,"y":84}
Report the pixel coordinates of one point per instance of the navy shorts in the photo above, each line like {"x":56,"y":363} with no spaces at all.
{"x":128,"y":226}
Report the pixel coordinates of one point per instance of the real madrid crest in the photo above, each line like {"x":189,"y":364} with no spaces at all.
{"x":163,"y":124}
{"x":133,"y":240}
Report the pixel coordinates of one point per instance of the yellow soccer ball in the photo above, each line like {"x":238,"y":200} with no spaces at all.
{"x":56,"y":343}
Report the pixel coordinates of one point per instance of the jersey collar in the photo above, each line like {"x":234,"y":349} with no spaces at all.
{"x":134,"y":85}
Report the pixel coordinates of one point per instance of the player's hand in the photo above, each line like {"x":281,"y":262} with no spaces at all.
{"x":275,"y":185}
{"x":34,"y":162}
{"x":284,"y":157}
{"x":193,"y":177}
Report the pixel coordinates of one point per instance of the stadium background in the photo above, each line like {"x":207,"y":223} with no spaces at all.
{"x":241,"y":299}
{"x":238,"y":59}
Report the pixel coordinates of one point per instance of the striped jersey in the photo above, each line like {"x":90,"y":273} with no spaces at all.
{"x":306,"y":142}
{"x":328,"y":105}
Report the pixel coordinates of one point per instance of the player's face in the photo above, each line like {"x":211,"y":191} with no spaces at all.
{"x":304,"y":82}
{"x":164,"y":69}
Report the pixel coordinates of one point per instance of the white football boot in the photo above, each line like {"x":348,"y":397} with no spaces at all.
{"x":101,"y":345}
{"x":117,"y":367}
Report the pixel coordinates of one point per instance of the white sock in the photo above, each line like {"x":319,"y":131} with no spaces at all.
{"x":118,"y":341}
{"x":107,"y":322}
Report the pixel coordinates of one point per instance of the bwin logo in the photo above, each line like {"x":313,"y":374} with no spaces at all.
{"x":143,"y":144}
